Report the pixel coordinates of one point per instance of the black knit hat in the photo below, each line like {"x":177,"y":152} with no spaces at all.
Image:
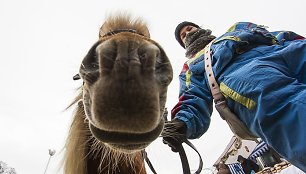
{"x":179,"y":28}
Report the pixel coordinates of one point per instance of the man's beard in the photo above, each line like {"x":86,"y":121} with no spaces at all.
{"x":197,"y":40}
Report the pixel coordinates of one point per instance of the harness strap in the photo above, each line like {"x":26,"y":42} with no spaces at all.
{"x":214,"y":86}
{"x":236,"y":125}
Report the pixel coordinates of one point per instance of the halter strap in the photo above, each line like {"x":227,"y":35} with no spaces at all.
{"x":113,"y":32}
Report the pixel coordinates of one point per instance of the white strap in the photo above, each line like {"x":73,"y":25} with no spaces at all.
{"x":236,"y":125}
{"x":214,"y":87}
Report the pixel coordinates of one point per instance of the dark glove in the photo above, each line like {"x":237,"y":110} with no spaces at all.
{"x":174,"y":133}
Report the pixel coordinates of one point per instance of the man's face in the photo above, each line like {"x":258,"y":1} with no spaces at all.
{"x":185,"y":30}
{"x":195,"y":39}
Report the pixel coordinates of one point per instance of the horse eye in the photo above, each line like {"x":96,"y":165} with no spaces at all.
{"x":89,"y":70}
{"x":90,"y":62}
{"x":159,"y":59}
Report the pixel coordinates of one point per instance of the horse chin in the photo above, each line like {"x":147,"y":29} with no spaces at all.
{"x":126,"y":142}
{"x":128,"y":149}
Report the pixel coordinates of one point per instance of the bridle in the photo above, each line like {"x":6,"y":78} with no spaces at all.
{"x":113,"y":32}
{"x":180,"y":148}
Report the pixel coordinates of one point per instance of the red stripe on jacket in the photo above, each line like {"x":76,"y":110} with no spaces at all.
{"x":177,"y":107}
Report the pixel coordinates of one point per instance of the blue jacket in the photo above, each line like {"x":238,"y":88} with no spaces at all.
{"x":262,"y":74}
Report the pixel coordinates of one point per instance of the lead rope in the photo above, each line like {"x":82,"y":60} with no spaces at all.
{"x":182,"y":153}
{"x":185,"y":165}
{"x":183,"y":156}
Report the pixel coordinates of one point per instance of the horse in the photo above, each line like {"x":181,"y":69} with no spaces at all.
{"x":120,"y":106}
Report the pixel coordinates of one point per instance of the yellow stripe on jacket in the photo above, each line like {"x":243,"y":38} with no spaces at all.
{"x":188,"y":72}
{"x":228,"y":92}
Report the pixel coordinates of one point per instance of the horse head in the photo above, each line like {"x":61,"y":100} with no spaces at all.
{"x":126,"y":75}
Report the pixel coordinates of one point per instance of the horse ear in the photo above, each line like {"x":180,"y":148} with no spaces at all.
{"x":77,"y":77}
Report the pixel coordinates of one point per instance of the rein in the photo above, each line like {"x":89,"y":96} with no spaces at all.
{"x":183,"y":157}
{"x":181,"y":151}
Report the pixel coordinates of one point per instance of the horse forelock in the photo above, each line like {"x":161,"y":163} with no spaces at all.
{"x":124,"y":21}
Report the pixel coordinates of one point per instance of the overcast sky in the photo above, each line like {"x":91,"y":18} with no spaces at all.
{"x":42,"y":43}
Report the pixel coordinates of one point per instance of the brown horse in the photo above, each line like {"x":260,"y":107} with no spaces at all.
{"x":120,"y":106}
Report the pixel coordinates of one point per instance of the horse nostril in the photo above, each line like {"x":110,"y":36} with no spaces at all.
{"x":148,"y":55}
{"x":107,"y":53}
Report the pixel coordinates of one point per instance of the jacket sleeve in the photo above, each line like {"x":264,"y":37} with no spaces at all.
{"x":195,"y":100}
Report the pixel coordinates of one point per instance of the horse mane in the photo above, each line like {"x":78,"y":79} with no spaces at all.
{"x":124,"y":21}
{"x":75,"y":147}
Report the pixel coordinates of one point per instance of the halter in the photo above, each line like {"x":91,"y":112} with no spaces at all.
{"x":113,"y":32}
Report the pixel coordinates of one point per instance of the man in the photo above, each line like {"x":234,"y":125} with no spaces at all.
{"x":247,"y":165}
{"x":223,"y":169}
{"x":262,"y":75}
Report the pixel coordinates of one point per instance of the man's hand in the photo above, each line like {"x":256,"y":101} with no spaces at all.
{"x":174,"y":134}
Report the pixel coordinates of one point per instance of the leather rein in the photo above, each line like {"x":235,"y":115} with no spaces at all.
{"x":183,"y":157}
{"x":182,"y":153}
